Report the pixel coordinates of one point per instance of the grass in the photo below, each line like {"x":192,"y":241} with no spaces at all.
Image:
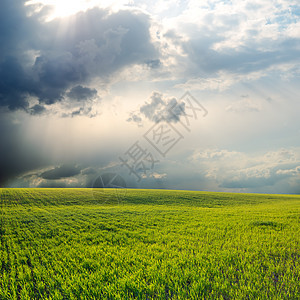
{"x":154,"y":244}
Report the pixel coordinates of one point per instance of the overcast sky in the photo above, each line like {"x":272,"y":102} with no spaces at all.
{"x":200,"y":95}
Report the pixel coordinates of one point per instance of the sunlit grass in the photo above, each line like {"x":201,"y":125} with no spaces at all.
{"x":150,"y":244}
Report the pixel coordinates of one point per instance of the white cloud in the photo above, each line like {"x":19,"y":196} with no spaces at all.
{"x":154,"y":175}
{"x":244,"y":105}
{"x":293,"y":30}
{"x":158,"y":108}
{"x":294,"y":171}
{"x":235,"y":170}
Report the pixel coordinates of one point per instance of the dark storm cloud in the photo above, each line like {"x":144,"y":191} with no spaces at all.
{"x":81,"y":111}
{"x":16,"y":154}
{"x":159,"y":108}
{"x":52,"y":184}
{"x":88,"y":171}
{"x":154,"y":63}
{"x":14,"y":84}
{"x":15,"y":29}
{"x":81,"y":93}
{"x":62,"y":171}
{"x":37,"y":109}
{"x":18,"y":35}
{"x":46,"y":59}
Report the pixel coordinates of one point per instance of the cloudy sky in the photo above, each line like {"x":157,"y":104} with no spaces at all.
{"x":200,"y":95}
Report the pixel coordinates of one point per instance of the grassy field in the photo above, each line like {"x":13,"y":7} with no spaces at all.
{"x":154,"y":244}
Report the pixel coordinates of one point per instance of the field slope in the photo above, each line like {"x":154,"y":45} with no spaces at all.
{"x":148,"y":244}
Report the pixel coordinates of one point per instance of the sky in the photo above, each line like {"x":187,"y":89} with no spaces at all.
{"x":197,"y":95}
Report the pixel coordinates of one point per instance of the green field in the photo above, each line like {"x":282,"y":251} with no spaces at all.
{"x":153,"y":244}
